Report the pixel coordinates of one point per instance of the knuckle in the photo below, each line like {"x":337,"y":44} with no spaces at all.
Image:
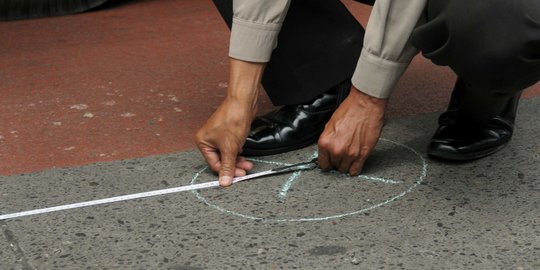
{"x":365,"y":151}
{"x":352,"y":153}
{"x":341,"y":150}
{"x":198,"y":136}
{"x":336,"y":152}
{"x":323,"y":142}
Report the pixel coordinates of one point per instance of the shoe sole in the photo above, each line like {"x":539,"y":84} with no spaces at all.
{"x":464,"y":157}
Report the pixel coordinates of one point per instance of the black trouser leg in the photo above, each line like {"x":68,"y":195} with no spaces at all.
{"x":494,"y":46}
{"x":225,"y":8}
{"x":26,"y":9}
{"x":318,"y":48}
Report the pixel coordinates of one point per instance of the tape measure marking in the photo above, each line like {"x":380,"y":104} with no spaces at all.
{"x":114,"y":199}
{"x":160,"y":192}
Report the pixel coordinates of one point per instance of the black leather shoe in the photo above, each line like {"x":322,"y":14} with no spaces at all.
{"x":460,"y":140}
{"x":293,"y":126}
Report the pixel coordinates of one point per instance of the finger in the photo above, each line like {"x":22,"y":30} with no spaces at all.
{"x":324,"y":159}
{"x":357,"y":166}
{"x":335,"y":161}
{"x":239,"y":172}
{"x":228,"y":167}
{"x":364,"y":155}
{"x":211,"y":157}
{"x":244,"y":164}
{"x":345,"y":164}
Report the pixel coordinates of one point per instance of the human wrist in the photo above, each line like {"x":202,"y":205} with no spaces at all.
{"x":244,"y":83}
{"x":364,"y":100}
{"x":240,"y":108}
{"x":244,"y":97}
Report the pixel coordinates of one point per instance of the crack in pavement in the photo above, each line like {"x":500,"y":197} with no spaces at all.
{"x":14,"y":245}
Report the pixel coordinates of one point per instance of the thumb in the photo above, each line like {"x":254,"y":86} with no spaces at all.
{"x":228,"y":166}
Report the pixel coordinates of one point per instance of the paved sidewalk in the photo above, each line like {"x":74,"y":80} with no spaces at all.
{"x":478,"y":215}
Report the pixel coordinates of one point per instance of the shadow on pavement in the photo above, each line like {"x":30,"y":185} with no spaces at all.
{"x":31,"y":9}
{"x":116,"y":3}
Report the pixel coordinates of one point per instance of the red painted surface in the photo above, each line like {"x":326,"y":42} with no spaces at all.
{"x":134,"y":80}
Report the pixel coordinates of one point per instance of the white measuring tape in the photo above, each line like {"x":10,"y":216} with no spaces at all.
{"x":289,"y":168}
{"x":109,"y":200}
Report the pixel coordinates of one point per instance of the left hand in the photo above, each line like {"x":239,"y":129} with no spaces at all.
{"x":352,"y":133}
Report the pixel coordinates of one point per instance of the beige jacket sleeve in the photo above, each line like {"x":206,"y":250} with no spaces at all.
{"x":387,"y":49}
{"x":255,"y":28}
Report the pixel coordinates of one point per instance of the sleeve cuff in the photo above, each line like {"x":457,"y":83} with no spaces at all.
{"x":376,"y":76}
{"x":253,"y":42}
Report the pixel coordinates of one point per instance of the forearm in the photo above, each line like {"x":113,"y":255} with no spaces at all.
{"x":244,"y":83}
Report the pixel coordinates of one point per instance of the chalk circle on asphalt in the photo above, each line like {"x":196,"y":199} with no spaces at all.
{"x":392,"y":171}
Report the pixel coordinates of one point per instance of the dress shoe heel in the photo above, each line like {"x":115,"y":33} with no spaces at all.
{"x":460,"y":140}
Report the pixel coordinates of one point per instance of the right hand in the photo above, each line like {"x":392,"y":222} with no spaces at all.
{"x":221,"y":139}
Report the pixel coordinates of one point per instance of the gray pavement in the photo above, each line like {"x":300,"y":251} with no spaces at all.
{"x":408,"y":212}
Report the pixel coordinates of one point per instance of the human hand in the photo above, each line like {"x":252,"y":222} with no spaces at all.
{"x":352,"y":133}
{"x":221,"y":139}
